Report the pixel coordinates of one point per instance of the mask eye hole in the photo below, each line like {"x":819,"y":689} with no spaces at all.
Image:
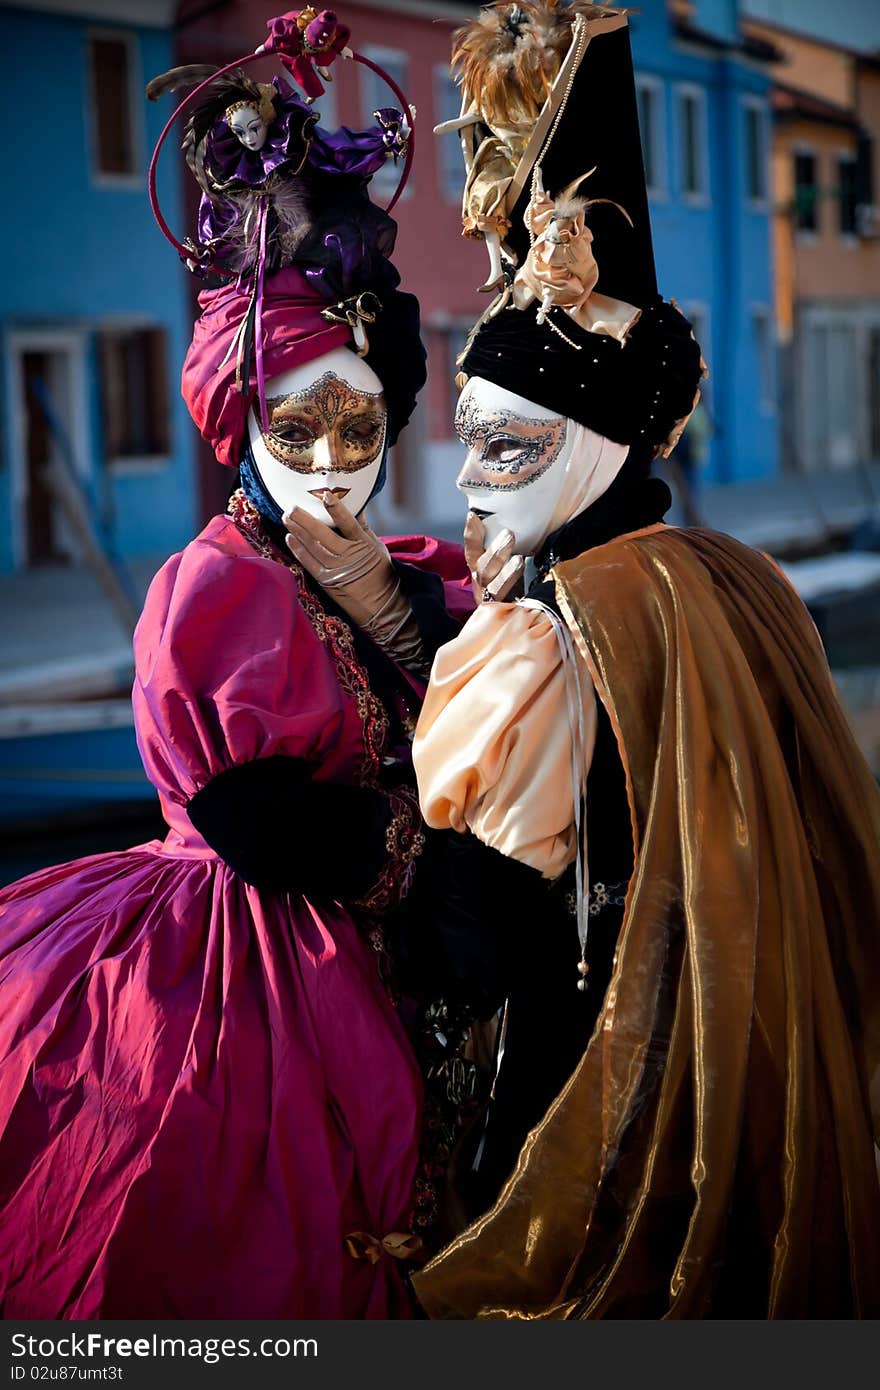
{"x":503,"y":449}
{"x":293,"y":432}
{"x":362,"y":431}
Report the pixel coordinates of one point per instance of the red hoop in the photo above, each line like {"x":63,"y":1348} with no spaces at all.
{"x":405,"y":108}
{"x":186,"y":252}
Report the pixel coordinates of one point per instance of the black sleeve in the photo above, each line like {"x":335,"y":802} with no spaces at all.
{"x":463,"y":927}
{"x":278,"y":828}
{"x":428,"y":602}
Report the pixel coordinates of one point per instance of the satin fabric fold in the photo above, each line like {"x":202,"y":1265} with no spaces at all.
{"x":592,"y":465}
{"x":492,"y":751}
{"x":712,"y":1154}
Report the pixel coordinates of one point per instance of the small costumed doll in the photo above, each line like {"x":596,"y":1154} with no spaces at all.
{"x":209,"y":1105}
{"x":513,"y":64}
{"x":256,"y":149}
{"x":679,"y":833}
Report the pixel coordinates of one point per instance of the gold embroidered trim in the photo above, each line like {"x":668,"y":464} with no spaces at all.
{"x":404,"y":841}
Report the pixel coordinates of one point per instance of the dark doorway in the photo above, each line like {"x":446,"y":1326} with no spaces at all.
{"x":42,"y":540}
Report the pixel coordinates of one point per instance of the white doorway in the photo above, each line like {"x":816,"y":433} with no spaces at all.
{"x":47,"y":389}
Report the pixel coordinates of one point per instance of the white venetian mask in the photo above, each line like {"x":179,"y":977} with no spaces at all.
{"x":327,"y":429}
{"x":528,"y":470}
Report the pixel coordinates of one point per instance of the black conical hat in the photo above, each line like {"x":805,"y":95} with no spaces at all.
{"x":638,"y":388}
{"x":599,"y":129}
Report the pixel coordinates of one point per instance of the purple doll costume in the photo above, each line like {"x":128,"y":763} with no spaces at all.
{"x":296,"y":154}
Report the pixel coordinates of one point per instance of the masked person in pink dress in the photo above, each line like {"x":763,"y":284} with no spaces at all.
{"x":209,"y":1105}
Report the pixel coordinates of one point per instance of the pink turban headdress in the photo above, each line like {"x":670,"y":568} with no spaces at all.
{"x":293,"y":333}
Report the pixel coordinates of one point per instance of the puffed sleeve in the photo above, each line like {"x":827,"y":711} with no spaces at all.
{"x":493,"y":747}
{"x":359,"y":152}
{"x":247,"y":733}
{"x":229,"y":669}
{"x":484,"y":207}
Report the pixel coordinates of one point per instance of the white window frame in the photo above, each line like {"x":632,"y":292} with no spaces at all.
{"x":848,"y":239}
{"x":137,"y":465}
{"x":98,"y":177}
{"x":701,"y":197}
{"x":761,"y":312}
{"x":758,"y":105}
{"x":385,"y":57}
{"x":18,"y":341}
{"x":806,"y":236}
{"x":658,"y":190}
{"x":442,"y":143}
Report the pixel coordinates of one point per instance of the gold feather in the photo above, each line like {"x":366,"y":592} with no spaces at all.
{"x":507,"y":59}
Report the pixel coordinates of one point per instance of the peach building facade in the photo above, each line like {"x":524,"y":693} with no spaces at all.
{"x":826,"y":184}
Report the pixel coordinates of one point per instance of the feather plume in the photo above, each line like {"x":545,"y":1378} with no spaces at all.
{"x":290,"y":222}
{"x":290,"y":203}
{"x":507,"y":59}
{"x":570,"y":201}
{"x":190,"y":75}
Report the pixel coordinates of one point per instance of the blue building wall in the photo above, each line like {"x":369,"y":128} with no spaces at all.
{"x":717,"y":253}
{"x":720,"y":18}
{"x":78,"y":254}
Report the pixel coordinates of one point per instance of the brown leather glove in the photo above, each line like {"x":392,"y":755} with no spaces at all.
{"x":354,"y":567}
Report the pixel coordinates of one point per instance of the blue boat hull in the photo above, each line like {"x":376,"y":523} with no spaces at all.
{"x":43,"y":775}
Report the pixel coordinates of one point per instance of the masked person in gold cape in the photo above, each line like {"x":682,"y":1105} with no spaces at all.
{"x":651,"y":742}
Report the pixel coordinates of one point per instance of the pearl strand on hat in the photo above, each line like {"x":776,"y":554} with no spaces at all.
{"x":580,"y":40}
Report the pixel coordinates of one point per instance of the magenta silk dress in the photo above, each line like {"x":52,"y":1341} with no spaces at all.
{"x":204,"y":1087}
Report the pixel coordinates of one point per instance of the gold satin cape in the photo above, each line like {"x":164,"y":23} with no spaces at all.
{"x":712,"y":1154}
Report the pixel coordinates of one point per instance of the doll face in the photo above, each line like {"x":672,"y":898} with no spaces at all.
{"x":327,"y":430}
{"x":249,"y":126}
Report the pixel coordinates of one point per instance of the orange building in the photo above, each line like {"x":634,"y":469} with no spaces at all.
{"x":826,"y":181}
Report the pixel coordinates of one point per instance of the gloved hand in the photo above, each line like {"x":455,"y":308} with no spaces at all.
{"x":496,"y":573}
{"x":354,"y":567}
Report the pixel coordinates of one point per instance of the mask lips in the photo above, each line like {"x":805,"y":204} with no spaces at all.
{"x":260,"y":495}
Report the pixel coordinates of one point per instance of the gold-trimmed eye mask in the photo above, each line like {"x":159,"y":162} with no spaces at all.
{"x":506,"y":450}
{"x":527,"y":470}
{"x":331,"y":424}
